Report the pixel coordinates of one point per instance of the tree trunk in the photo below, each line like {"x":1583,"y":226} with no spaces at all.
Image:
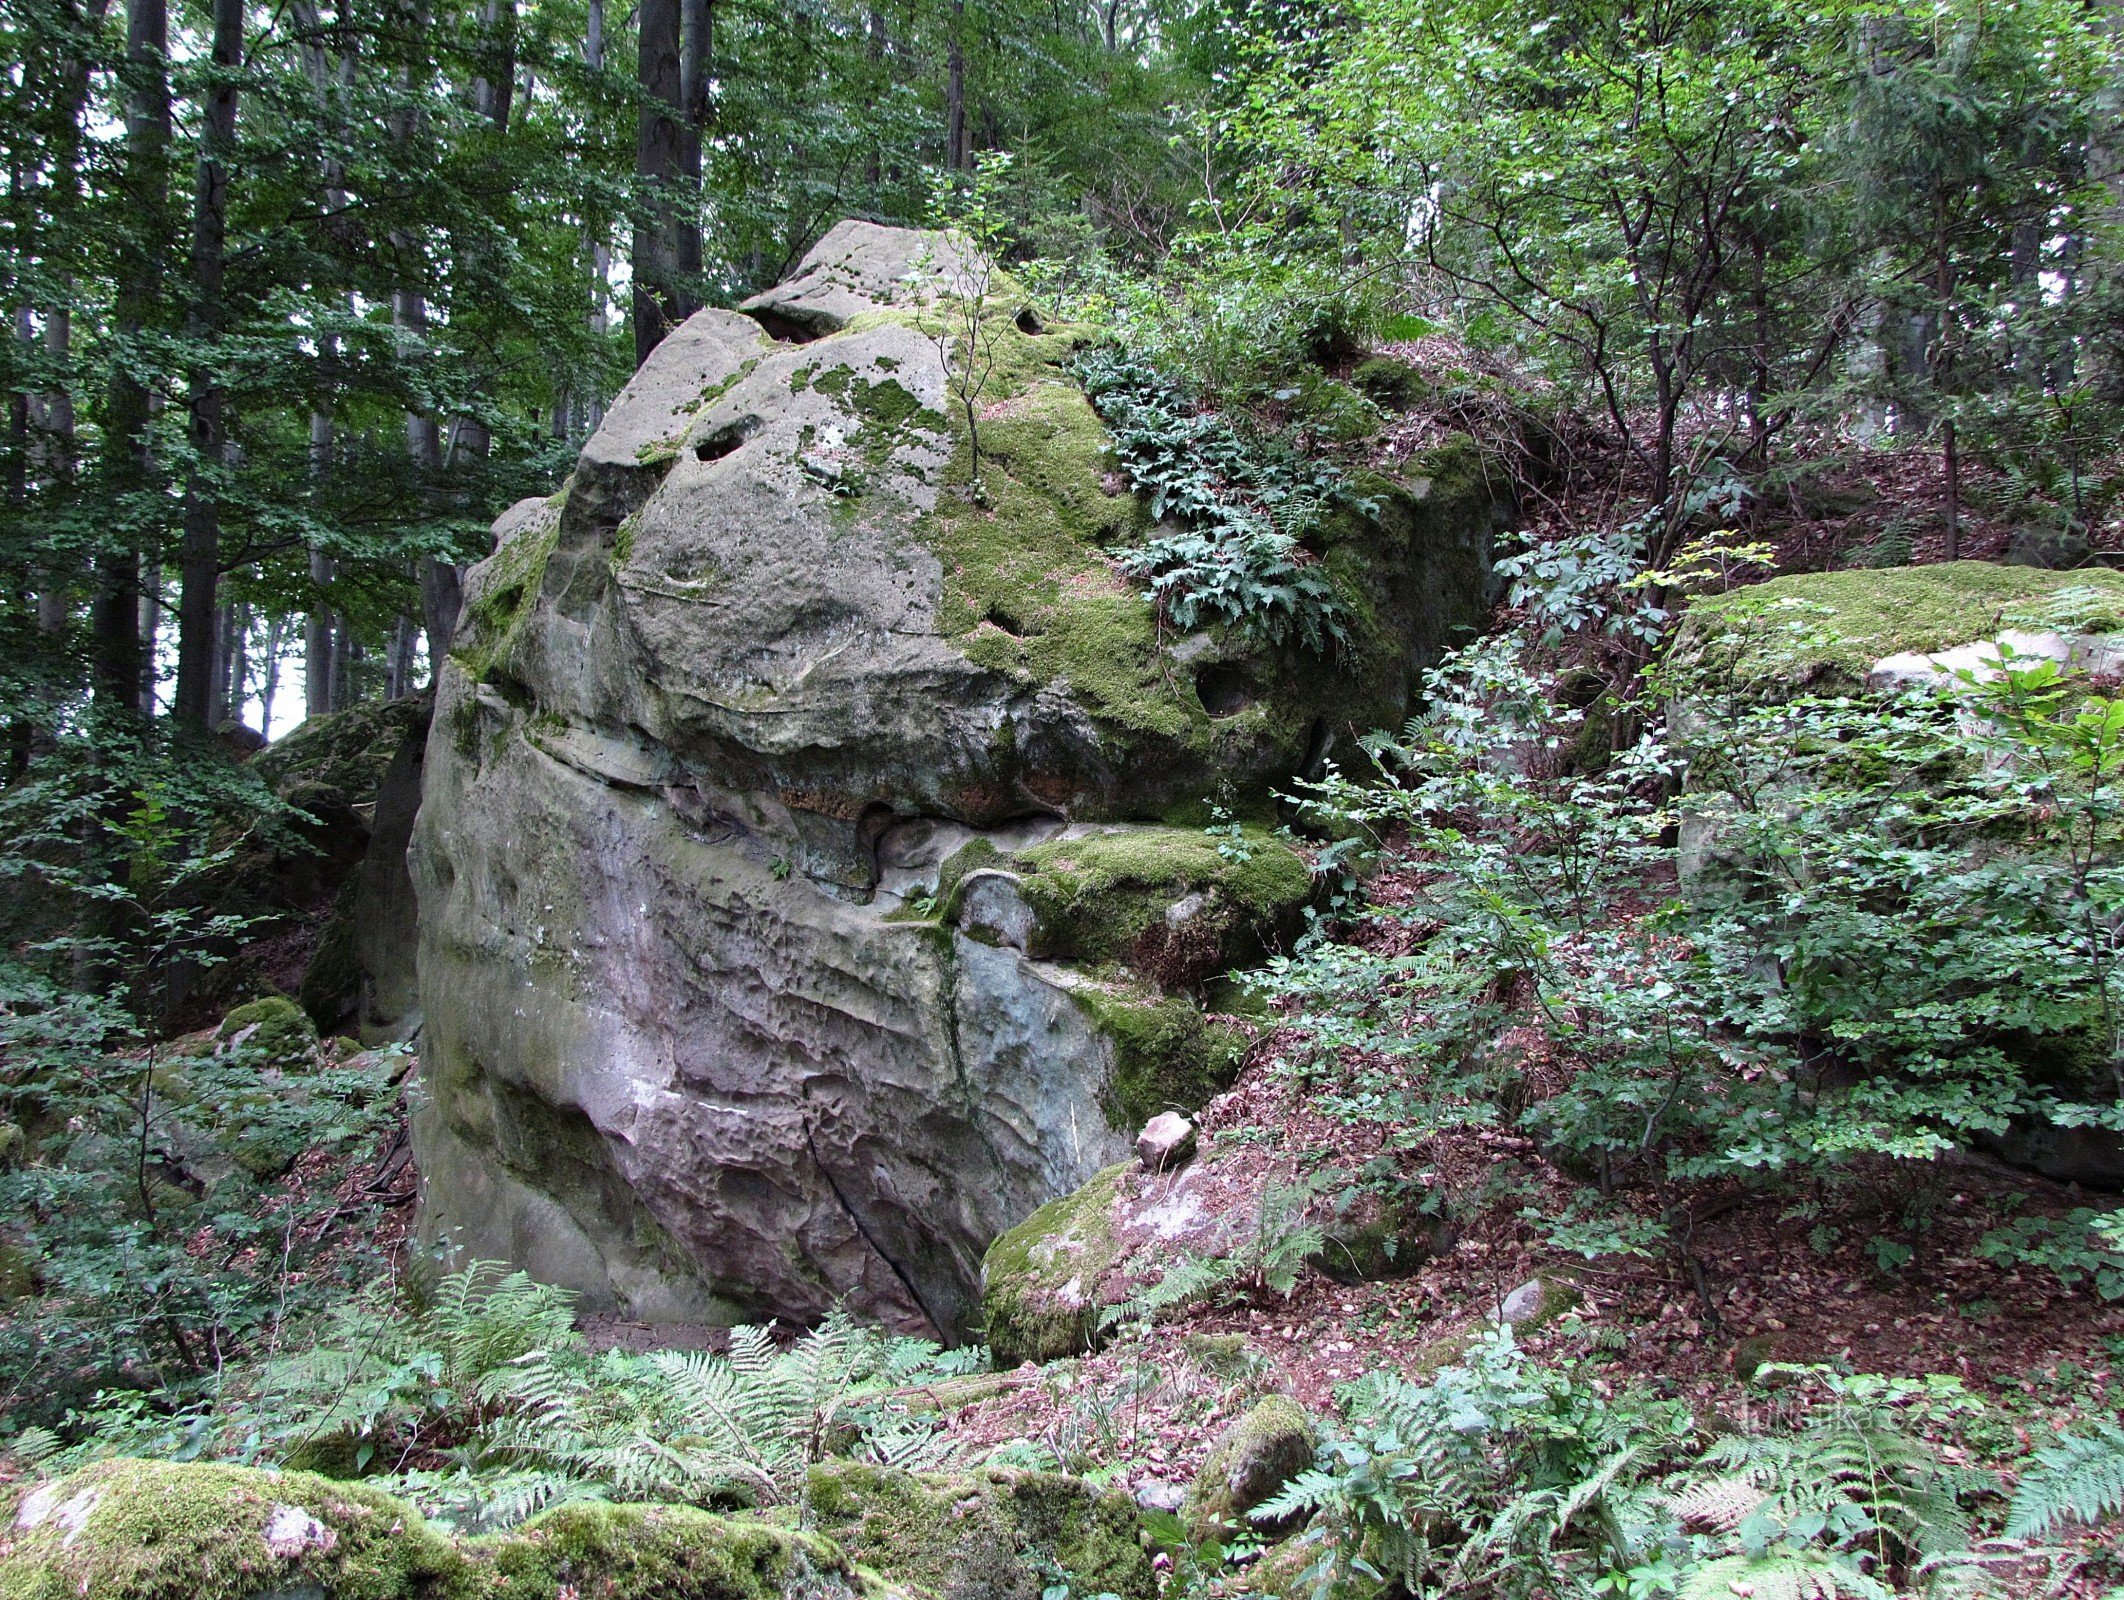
{"x":696,"y":58}
{"x":269,"y":689}
{"x":955,"y":151}
{"x":119,"y":655}
{"x":317,"y":640}
{"x":656,"y":163}
{"x":201,"y":566}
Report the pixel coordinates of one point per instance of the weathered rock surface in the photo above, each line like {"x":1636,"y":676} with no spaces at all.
{"x":1048,"y":1283}
{"x":725,"y":1016}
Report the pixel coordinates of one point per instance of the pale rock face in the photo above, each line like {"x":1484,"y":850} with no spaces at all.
{"x":700,"y":755}
{"x":1166,"y":1141}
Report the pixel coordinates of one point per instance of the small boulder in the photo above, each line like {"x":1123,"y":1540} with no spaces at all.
{"x":995,"y":1531}
{"x":275,"y":1028}
{"x":1251,"y":1460}
{"x":1536,"y":1301}
{"x":1166,"y":1142}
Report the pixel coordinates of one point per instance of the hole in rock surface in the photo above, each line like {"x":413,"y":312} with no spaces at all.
{"x":726,"y":439}
{"x":781,"y":329}
{"x":1028,"y":321}
{"x":1222,"y":689}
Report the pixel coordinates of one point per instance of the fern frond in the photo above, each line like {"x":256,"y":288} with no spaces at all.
{"x":1783,"y":1575}
{"x":2078,"y":1479}
{"x":1718,"y":1505}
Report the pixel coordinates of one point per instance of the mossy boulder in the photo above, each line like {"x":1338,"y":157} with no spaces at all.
{"x":1176,"y":903}
{"x":1249,"y":1463}
{"x":691,"y":1045}
{"x":1823,"y":631}
{"x":158,"y":1530}
{"x":1372,"y":1236}
{"x":1042,"y":1282}
{"x":273,"y":1028}
{"x":343,"y":751}
{"x":994,"y":1534}
{"x":658,"y":1552}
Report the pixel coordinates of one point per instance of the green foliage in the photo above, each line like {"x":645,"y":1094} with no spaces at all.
{"x":149,"y":1190}
{"x":490,"y":1376}
{"x":1496,"y":1477}
{"x":2078,"y":1479}
{"x":2083,"y":1246}
{"x":1243,"y":513}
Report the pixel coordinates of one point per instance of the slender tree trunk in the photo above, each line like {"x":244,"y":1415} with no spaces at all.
{"x":147,"y":629}
{"x":269,"y":685}
{"x":1950,"y":455}
{"x":956,"y":155}
{"x":201,"y":568}
{"x":696,"y":65}
{"x":656,"y":162}
{"x":119,"y":655}
{"x":317,"y":642}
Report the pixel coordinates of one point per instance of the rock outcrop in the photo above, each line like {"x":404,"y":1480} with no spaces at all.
{"x":793,"y":916}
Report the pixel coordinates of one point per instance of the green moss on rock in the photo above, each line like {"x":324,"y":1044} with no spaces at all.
{"x":1251,"y":1460}
{"x":988,"y":1535}
{"x":502,"y":595}
{"x":1040,"y":1282}
{"x":657,"y":1552}
{"x":278,"y":1028}
{"x":158,"y":1530}
{"x":1168,"y":1055}
{"x":347,"y":751}
{"x":1825,"y":630}
{"x":1096,"y":897}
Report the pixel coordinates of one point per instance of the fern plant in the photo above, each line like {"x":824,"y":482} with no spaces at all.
{"x":1833,"y":1507}
{"x":2078,"y":1479}
{"x":1239,"y":512}
{"x":689,"y":1425}
{"x":1496,"y":1477}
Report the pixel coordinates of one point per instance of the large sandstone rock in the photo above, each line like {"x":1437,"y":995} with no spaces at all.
{"x":790,"y":921}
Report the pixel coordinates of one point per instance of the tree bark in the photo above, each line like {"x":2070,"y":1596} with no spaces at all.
{"x":200,"y":575}
{"x":696,"y":111}
{"x":656,"y":162}
{"x":956,"y":155}
{"x":118,"y":656}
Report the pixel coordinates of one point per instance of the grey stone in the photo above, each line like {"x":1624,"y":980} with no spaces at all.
{"x":859,"y":267}
{"x":1167,"y":1140}
{"x":1536,"y":1301}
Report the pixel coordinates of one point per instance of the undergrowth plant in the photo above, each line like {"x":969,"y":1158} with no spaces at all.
{"x":1234,"y":511}
{"x":483,"y":1405}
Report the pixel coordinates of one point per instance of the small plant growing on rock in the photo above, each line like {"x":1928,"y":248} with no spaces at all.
{"x":967,"y":335}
